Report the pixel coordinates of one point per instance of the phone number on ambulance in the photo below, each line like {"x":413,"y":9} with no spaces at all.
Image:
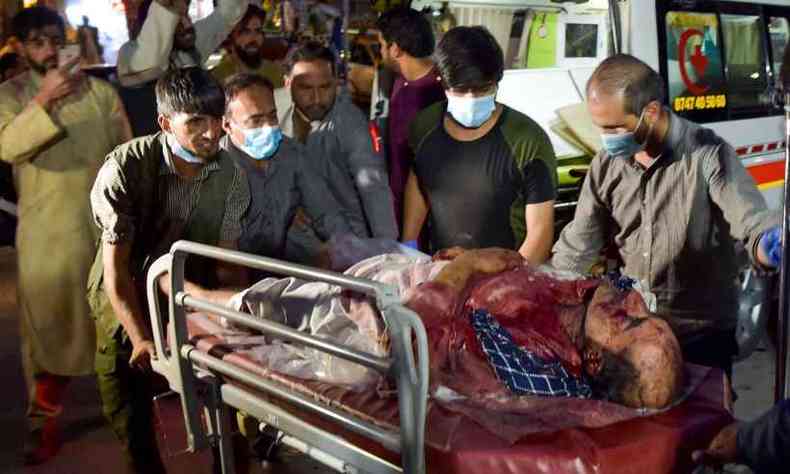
{"x":700,"y":102}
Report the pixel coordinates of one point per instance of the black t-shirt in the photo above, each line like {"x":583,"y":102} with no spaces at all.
{"x":478,"y":190}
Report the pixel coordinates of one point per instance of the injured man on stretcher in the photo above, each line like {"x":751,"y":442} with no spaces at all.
{"x":499,"y":331}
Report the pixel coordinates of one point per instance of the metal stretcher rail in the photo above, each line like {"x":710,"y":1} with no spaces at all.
{"x":361,"y":427}
{"x":280,"y":330}
{"x":407,"y":335}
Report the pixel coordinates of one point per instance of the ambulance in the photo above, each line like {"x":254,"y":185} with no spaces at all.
{"x":720,"y":61}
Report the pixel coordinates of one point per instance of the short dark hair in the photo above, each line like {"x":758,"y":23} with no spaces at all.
{"x":190,"y":90}
{"x":8,"y":61}
{"x":35,"y":18}
{"x":409,"y":29}
{"x":243,"y":81}
{"x":253,"y":11}
{"x":469,"y":56}
{"x":636,"y":82}
{"x":310,"y":51}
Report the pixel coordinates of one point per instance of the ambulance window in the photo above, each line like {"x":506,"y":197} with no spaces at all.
{"x":779,"y":32}
{"x":746,"y":76}
{"x":581,"y":40}
{"x":694,"y":65}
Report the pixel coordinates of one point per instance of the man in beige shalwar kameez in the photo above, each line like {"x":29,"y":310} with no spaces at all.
{"x":56,"y":127}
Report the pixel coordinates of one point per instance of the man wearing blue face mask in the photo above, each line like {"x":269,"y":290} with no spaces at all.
{"x":279,"y":181}
{"x":484,"y":175}
{"x":672,"y":197}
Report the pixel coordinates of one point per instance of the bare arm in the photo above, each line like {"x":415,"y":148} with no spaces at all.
{"x":540,"y":232}
{"x":415,"y":209}
{"x":232,"y":279}
{"x":230,"y":275}
{"x":125,"y":300}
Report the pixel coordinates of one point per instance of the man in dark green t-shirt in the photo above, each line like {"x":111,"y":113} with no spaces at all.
{"x":484,"y":175}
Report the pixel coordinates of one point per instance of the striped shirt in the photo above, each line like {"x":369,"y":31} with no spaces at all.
{"x":674,"y":226}
{"x":111,"y":199}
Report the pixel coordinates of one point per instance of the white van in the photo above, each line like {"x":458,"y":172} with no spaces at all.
{"x":719,"y":59}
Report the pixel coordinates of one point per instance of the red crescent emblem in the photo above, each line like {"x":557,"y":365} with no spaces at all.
{"x":698,"y":61}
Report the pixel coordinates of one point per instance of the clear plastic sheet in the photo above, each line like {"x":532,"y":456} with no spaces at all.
{"x":520,"y":434}
{"x":346,"y":250}
{"x":328,"y":312}
{"x":461,"y":381}
{"x":512,"y":418}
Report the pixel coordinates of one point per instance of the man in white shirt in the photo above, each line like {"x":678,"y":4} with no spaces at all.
{"x":168,"y":38}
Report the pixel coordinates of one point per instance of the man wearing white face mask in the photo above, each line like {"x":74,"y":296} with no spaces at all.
{"x":279,"y":181}
{"x":484,"y":174}
{"x":672,"y":197}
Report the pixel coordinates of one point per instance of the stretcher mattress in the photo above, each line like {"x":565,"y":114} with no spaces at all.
{"x":455,"y":443}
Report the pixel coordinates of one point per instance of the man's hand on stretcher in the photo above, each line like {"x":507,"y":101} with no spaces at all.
{"x":143,"y":349}
{"x":219,"y":296}
{"x":142,"y":353}
{"x":722,"y":450}
{"x":467,"y":263}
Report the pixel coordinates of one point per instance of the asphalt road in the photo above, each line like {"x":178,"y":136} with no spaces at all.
{"x":90,"y":447}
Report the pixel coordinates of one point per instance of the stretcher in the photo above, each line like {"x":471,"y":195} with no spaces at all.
{"x":362,"y":432}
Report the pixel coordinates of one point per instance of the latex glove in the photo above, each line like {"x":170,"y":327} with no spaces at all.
{"x":411,"y":244}
{"x":771,"y":246}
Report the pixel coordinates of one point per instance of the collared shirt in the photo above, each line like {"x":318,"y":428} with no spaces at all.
{"x":111,"y":198}
{"x":343,"y":137}
{"x":277,"y":190}
{"x":673,"y":225}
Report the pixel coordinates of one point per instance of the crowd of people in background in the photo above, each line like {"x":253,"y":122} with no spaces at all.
{"x":274,"y":159}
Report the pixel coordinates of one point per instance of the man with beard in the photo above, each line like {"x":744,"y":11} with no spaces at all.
{"x":672,"y":198}
{"x":274,"y":165}
{"x":152,"y":191}
{"x":483,"y":172}
{"x":55,"y":129}
{"x":167,"y":38}
{"x":406,"y":40}
{"x":246,"y":50}
{"x":339,"y":147}
{"x":11,"y":64}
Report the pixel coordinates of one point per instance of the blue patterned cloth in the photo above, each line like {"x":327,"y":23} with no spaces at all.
{"x":523,"y":372}
{"x":621,"y":282}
